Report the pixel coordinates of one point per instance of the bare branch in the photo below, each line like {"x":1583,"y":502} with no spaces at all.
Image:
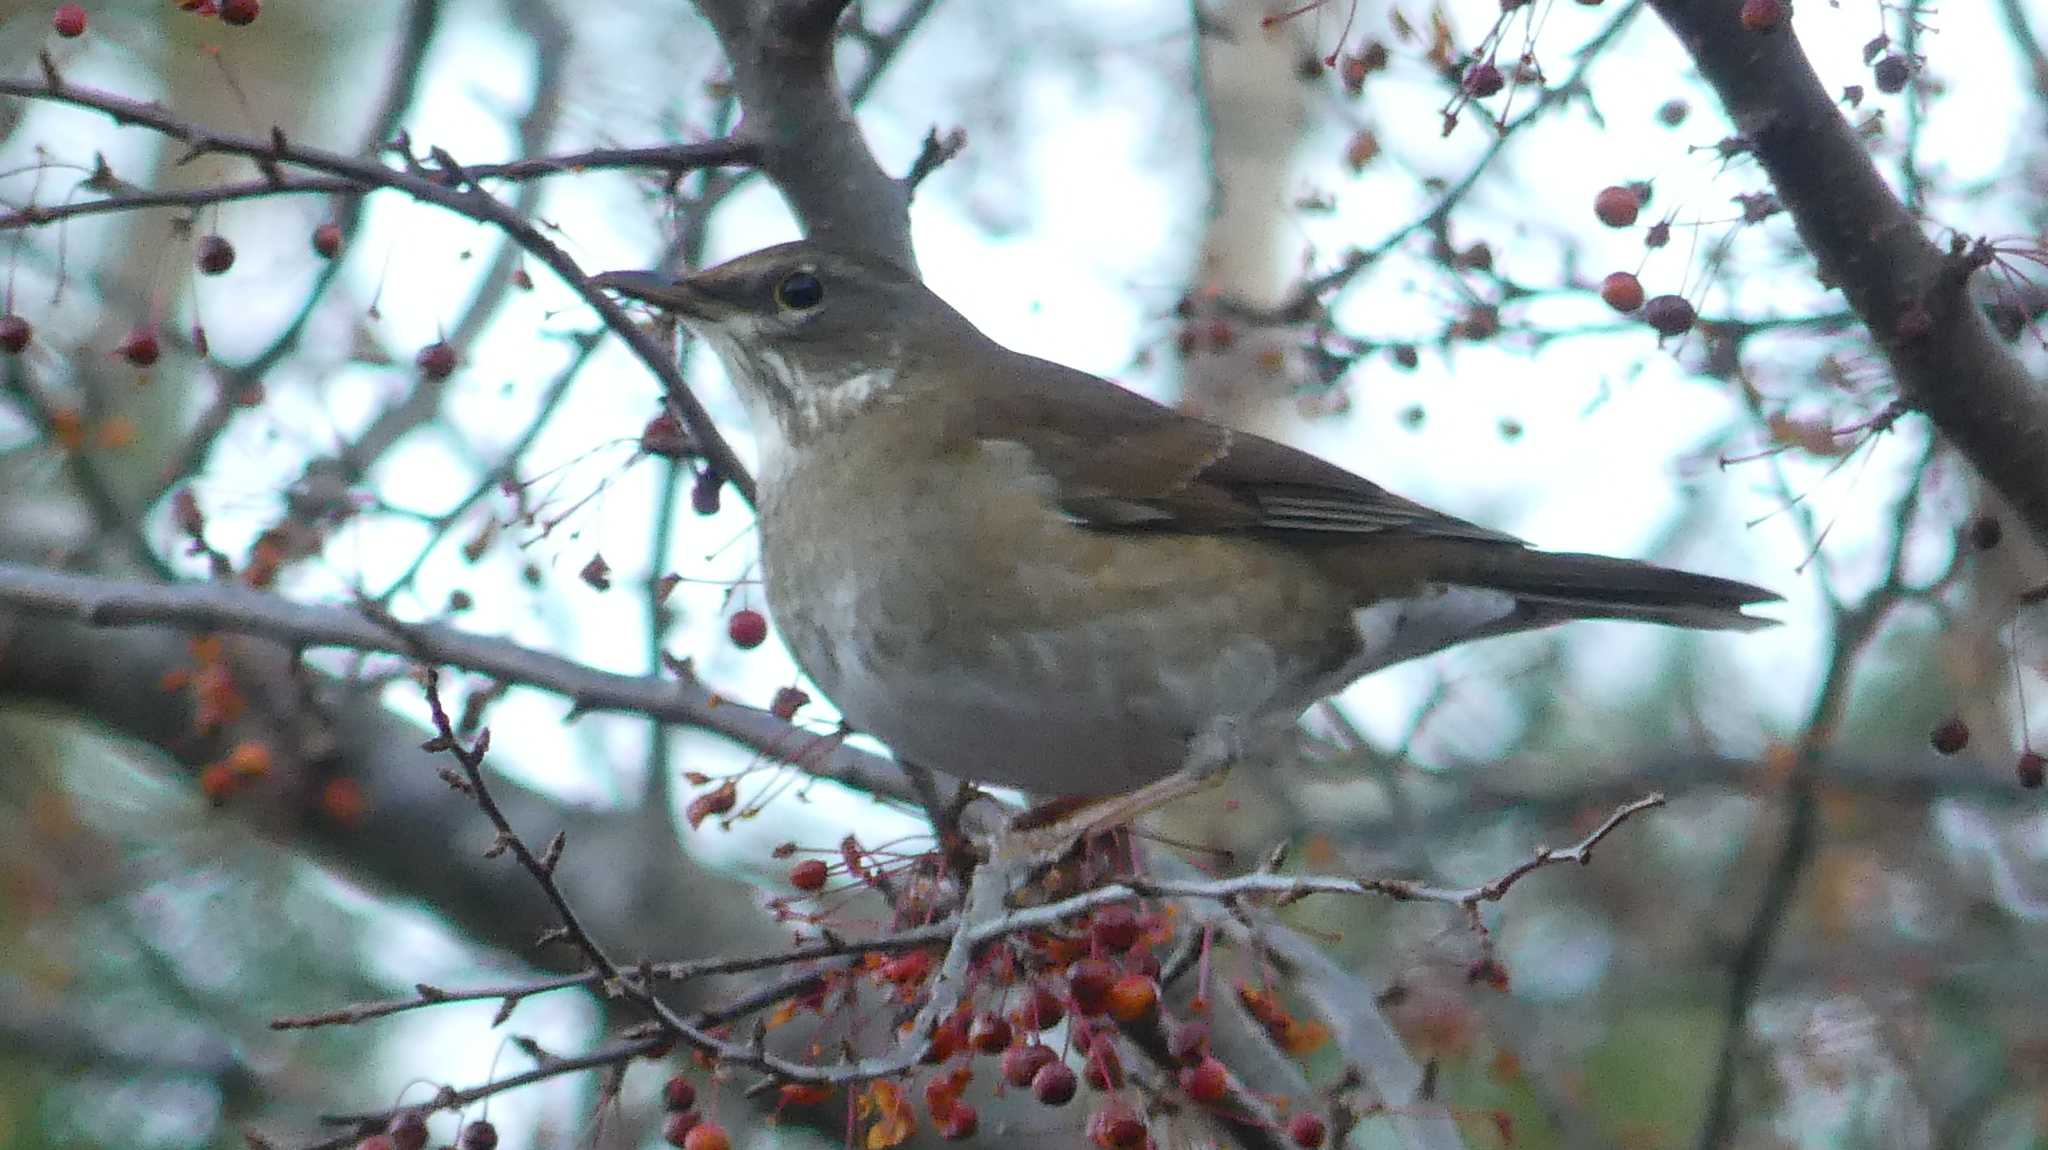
{"x":1913,"y":296}
{"x":102,"y":602}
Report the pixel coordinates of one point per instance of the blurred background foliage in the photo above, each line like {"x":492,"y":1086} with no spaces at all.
{"x":1145,"y":188}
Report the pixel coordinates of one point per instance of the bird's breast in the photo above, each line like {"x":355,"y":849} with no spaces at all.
{"x":947,"y":606}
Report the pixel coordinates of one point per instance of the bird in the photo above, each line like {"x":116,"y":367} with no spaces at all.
{"x":1027,"y":576}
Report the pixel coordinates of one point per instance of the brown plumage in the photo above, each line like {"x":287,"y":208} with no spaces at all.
{"x":1023,"y":574}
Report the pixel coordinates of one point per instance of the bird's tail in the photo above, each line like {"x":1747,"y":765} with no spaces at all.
{"x":1561,"y":585}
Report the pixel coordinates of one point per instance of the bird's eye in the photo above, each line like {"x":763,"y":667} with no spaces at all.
{"x":800,"y":291}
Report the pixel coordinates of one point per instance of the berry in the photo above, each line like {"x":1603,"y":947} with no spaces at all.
{"x":436,"y":361}
{"x":959,"y":1123}
{"x":377,"y":1142}
{"x":1116,"y":1127}
{"x":1104,"y":1068}
{"x":747,"y":628}
{"x":1054,"y":1084}
{"x":1669,"y":315}
{"x":1307,"y":1131}
{"x":1617,"y":205}
{"x":707,"y":1136}
{"x":1114,"y":928}
{"x":989,"y":1034}
{"x":1622,"y":291}
{"x":327,"y":240}
{"x":15,"y":334}
{"x":1021,"y":1064}
{"x":1132,"y":997}
{"x":408,"y":1130}
{"x":675,"y":1129}
{"x":678,"y":1093}
{"x":69,"y":21}
{"x":1088,"y":981}
{"x":1891,"y":74}
{"x":2031,"y":769}
{"x":240,"y":13}
{"x":948,"y":1036}
{"x":1042,"y":1009}
{"x":809,"y":875}
{"x":1952,"y":736}
{"x":139,"y":348}
{"x":1206,"y":1082}
{"x":1762,"y":15}
{"x":215,"y":255}
{"x":478,"y":1135}
{"x":1482,"y":80}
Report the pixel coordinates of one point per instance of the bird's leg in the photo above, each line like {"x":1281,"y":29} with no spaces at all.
{"x":1219,"y":745}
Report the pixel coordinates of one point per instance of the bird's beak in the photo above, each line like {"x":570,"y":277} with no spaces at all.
{"x":670,"y":295}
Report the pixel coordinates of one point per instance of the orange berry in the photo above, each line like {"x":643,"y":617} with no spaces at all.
{"x":1132,"y":997}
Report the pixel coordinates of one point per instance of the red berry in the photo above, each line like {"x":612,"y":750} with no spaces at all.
{"x":1669,"y":315}
{"x":1206,"y":1082}
{"x":15,"y":334}
{"x":1482,"y":80}
{"x":989,"y":1034}
{"x":707,"y":1136}
{"x":327,"y":240}
{"x":678,"y":1093}
{"x":1054,"y":1084}
{"x":214,"y":255}
{"x":960,"y":1122}
{"x":436,"y":361}
{"x":478,"y":1135}
{"x":1307,"y":1130}
{"x":675,"y":1129}
{"x":1021,"y":1064}
{"x":1116,"y":1127}
{"x":139,"y":348}
{"x":1042,"y":1009}
{"x":377,"y":1142}
{"x":69,"y":21}
{"x":2031,"y":769}
{"x":1952,"y":736}
{"x":1622,"y":291}
{"x":747,"y":628}
{"x":1088,"y":981}
{"x":809,"y":875}
{"x":1762,"y":15}
{"x":1617,"y":205}
{"x":948,"y":1036}
{"x":239,"y":12}
{"x":1114,"y":928}
{"x":408,"y":1130}
{"x":1104,"y":1068}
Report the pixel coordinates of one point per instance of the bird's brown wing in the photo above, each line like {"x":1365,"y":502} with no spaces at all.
{"x":1120,"y":461}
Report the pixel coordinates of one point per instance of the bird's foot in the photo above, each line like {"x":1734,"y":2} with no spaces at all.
{"x":1044,"y":834}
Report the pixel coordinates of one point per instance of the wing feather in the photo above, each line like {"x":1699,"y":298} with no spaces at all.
{"x":1120,"y":461}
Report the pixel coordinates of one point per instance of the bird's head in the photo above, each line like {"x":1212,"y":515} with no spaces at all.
{"x":811,"y":336}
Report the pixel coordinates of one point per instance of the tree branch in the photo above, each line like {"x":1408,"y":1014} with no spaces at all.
{"x":1913,"y":296}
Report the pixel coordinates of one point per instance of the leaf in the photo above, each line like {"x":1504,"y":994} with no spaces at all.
{"x":716,"y":801}
{"x":890,"y":1108}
